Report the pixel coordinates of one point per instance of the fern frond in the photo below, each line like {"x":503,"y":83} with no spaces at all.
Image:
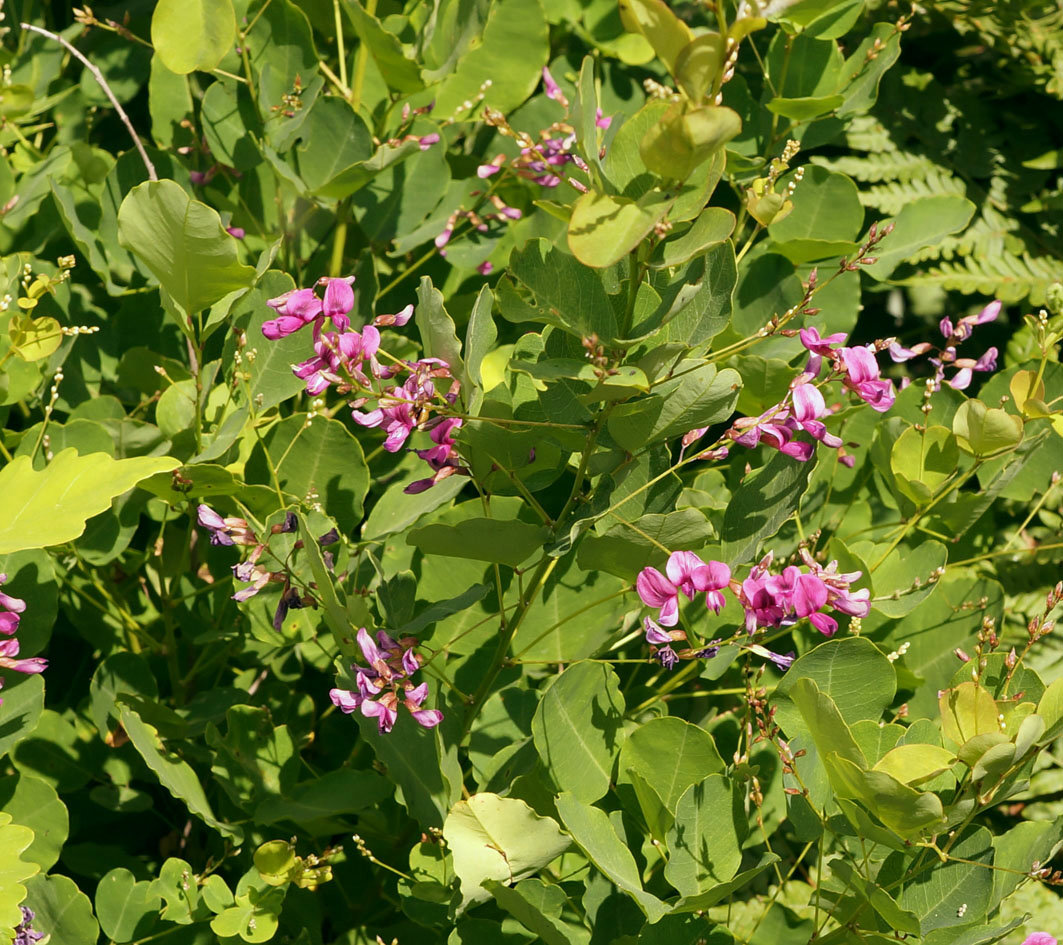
{"x":989,"y":234}
{"x":891,"y":165}
{"x":891,"y":197}
{"x":1007,"y":277}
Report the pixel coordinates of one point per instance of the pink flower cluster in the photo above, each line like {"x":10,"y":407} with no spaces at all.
{"x":946,"y":356}
{"x":542,"y":161}
{"x":480,"y":222}
{"x":386,"y":682}
{"x":347,"y":360}
{"x":768,"y":599}
{"x":804,"y":407}
{"x":11,"y":609}
{"x":236,"y":531}
{"x":1039,"y":938}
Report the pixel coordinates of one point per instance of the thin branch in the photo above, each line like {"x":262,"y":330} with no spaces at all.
{"x":98,"y":76}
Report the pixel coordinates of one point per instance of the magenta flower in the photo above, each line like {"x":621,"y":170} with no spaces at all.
{"x":818,"y":347}
{"x":601,"y":121}
{"x":863,"y":378}
{"x":31,"y":665}
{"x":13,"y":606}
{"x":385,"y":683}
{"x":442,"y":458}
{"x":688,"y":574}
{"x":552,"y":89}
{"x":1039,"y":938}
{"x":399,"y":319}
{"x":225,"y":531}
{"x":655,"y":590}
{"x":294,"y":309}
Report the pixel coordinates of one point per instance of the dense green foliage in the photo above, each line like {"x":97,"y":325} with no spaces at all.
{"x":363,"y":365}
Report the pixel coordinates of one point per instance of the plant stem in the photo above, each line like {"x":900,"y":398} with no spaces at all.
{"x":102,"y":82}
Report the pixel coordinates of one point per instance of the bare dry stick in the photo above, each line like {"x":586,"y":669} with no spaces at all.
{"x":98,"y":76}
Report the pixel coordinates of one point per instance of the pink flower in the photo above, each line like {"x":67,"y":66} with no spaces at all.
{"x":338,"y":301}
{"x":1039,"y":938}
{"x":600,"y":121}
{"x":485,"y":268}
{"x":386,"y":682}
{"x":552,"y":89}
{"x":818,"y":347}
{"x":655,"y":590}
{"x":30,"y":666}
{"x":863,"y":378}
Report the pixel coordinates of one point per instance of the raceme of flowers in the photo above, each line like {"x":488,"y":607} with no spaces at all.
{"x":386,"y":683}
{"x":346,"y":359}
{"x":945,"y":357}
{"x":232,"y":530}
{"x":542,"y":160}
{"x":770,"y":600}
{"x":25,"y":934}
{"x":11,"y":609}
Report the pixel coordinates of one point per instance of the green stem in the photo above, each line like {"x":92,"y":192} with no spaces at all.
{"x":361,"y":59}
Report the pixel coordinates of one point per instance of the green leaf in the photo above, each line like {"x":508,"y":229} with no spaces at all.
{"x":126,"y":909}
{"x":922,"y":461}
{"x":852,"y":671}
{"x":907,"y":812}
{"x":511,"y":53}
{"x":519,"y":903}
{"x":593,"y":833}
{"x":572,"y":294}
{"x":399,"y":72}
{"x":1015,"y":852}
{"x":498,"y":838}
{"x":711,"y":897}
{"x":895,"y":578}
{"x":698,"y":65}
{"x":480,"y":335}
{"x":805,"y":108}
{"x":666,"y":33}
{"x":438,"y":334}
{"x":61,"y":908}
{"x":255,"y":760}
{"x":14,"y":841}
{"x":937,"y":895}
{"x":335,"y":793}
{"x":762,"y":503}
{"x":922,"y":222}
{"x":192,"y":34}
{"x":671,"y":755}
{"x":966,"y":711}
{"x":50,"y":506}
{"x":986,"y":431}
{"x":577,"y":729}
{"x":1050,"y":708}
{"x":879,"y":900}
{"x":483,"y":539}
{"x":176,"y":885}
{"x":604,"y":229}
{"x":685,"y":137}
{"x":253,"y":917}
{"x":169,"y":102}
{"x":23,"y":705}
{"x":175,"y":775}
{"x":913,"y":764}
{"x":336,"y":143}
{"x":184,"y":245}
{"x":33,"y":803}
{"x":417,"y":762}
{"x":705,"y":842}
{"x":34,"y":339}
{"x":700,"y":397}
{"x":712,"y":226}
{"x":315,"y":455}
{"x":825,"y":723}
{"x":826,"y":207}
